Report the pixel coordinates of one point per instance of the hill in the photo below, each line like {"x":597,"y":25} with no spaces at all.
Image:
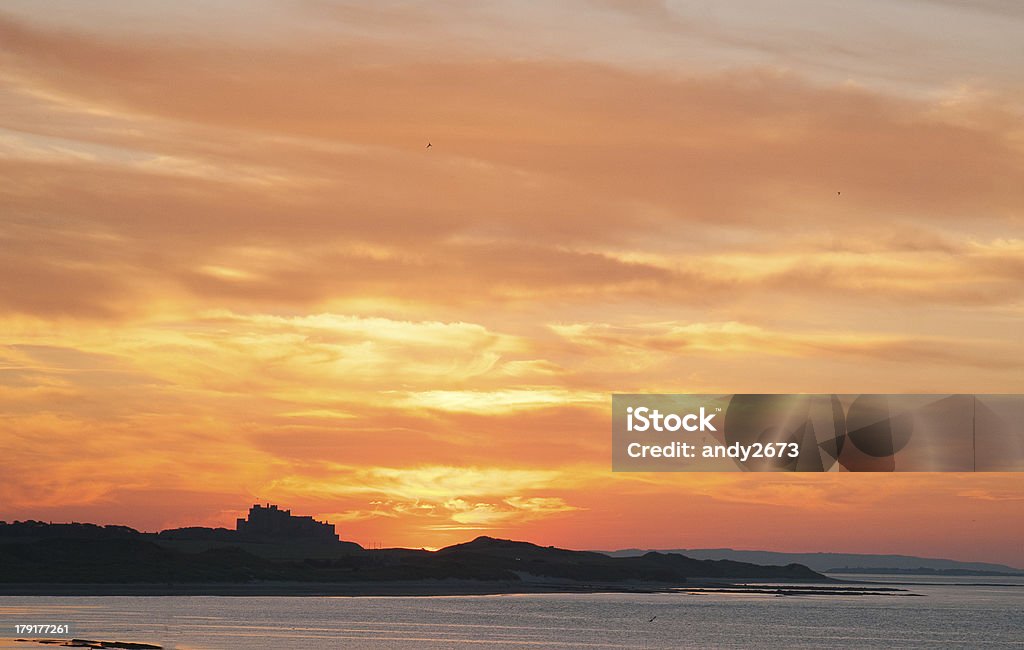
{"x":87,"y":554}
{"x":824,"y":562}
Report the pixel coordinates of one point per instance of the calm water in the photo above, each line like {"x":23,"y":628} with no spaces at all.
{"x":945,"y":616}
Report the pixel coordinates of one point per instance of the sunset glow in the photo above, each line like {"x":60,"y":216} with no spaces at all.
{"x":231,"y":271}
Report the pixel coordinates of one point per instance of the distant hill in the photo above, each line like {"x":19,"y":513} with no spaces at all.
{"x":37,"y":553}
{"x":921,"y":571}
{"x":825,"y":562}
{"x":526,"y":558}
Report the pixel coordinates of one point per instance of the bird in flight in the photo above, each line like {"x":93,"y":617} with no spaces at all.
{"x":652,"y":619}
{"x":429,"y":145}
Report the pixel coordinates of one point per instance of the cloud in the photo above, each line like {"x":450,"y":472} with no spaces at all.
{"x":991,"y":495}
{"x":424,"y":495}
{"x":548,"y":182}
{"x":434,"y":482}
{"x":231,"y":268}
{"x":513,"y":509}
{"x":501,"y":401}
{"x":742,"y":339}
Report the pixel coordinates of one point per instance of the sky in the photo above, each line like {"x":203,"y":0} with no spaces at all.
{"x":231,"y":270}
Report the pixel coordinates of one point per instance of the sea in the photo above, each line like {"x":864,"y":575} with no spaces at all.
{"x":935,"y":612}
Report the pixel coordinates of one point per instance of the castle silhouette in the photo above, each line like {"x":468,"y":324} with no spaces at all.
{"x":270,"y":522}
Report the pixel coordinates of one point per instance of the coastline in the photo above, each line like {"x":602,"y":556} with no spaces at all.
{"x":439,"y":588}
{"x":390,"y":588}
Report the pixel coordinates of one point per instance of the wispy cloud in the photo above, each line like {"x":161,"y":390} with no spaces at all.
{"x":230,"y":269}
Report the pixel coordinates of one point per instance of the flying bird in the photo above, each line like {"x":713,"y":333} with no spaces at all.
{"x":652,"y":619}
{"x":429,"y":145}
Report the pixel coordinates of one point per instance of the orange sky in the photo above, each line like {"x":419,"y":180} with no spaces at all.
{"x":230,"y":270}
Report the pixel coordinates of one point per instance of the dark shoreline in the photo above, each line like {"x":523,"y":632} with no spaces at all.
{"x":425,"y":588}
{"x":435,"y":588}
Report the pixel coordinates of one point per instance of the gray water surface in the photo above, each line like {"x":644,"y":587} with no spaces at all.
{"x":944,"y":615}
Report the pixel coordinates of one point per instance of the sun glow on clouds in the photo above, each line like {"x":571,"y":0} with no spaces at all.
{"x":497,"y":402}
{"x":251,"y":280}
{"x":428,"y":496}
